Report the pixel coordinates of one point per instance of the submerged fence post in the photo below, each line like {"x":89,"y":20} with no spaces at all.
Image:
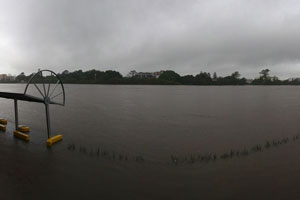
{"x":16,"y":114}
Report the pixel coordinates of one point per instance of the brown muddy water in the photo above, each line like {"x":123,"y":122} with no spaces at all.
{"x":156,"y":142}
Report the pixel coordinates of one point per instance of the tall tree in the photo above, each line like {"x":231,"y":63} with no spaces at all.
{"x":170,"y":76}
{"x":235,"y":75}
{"x":264,"y":74}
{"x":215,"y":77}
{"x":21,"y":77}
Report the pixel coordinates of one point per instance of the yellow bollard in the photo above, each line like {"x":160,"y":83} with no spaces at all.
{"x":53,"y":140}
{"x":23,"y":128}
{"x":3,"y":121}
{"x":2,"y":127}
{"x":21,"y":136}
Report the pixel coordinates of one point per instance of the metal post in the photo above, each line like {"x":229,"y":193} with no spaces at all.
{"x":16,"y":114}
{"x":48,"y":120}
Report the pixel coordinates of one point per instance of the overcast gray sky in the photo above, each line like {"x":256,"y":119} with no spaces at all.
{"x":187,"y":36}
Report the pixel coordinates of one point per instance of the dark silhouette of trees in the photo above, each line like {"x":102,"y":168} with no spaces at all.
{"x":233,"y":79}
{"x":188,"y":80}
{"x":264,"y":74}
{"x":91,"y":76}
{"x":203,"y":78}
{"x":168,"y":77}
{"x":215,"y":77}
{"x":21,"y":77}
{"x":235,"y":75}
{"x":266,"y":79}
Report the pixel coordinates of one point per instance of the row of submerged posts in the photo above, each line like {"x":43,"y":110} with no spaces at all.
{"x":101,"y":152}
{"x":233,"y":153}
{"x":44,"y":87}
{"x":177,"y":160}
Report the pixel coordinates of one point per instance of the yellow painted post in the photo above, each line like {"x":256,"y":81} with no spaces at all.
{"x":3,"y":121}
{"x":53,"y":140}
{"x":23,"y":128}
{"x":2,"y":127}
{"x":21,"y":136}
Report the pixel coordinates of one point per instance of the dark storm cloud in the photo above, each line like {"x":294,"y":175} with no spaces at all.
{"x":186,"y":36}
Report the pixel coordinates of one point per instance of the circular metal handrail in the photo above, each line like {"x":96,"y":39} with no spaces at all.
{"x":48,"y":90}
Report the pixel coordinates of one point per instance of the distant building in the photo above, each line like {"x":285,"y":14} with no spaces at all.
{"x":274,"y":78}
{"x":11,"y":77}
{"x":131,"y":74}
{"x":5,"y":77}
{"x":136,"y":74}
{"x":293,"y":79}
{"x":249,"y":81}
{"x":157,"y":74}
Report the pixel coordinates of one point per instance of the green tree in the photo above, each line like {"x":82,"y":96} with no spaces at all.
{"x":235,"y":75}
{"x":187,"y":80}
{"x":215,"y":77}
{"x":170,"y":76}
{"x":264,"y":74}
{"x":21,"y":77}
{"x":110,"y":74}
{"x":203,"y":78}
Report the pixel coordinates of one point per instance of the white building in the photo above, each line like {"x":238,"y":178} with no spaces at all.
{"x":293,"y":79}
{"x":144,"y":74}
{"x":5,"y":77}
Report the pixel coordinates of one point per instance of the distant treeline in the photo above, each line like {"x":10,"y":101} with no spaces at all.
{"x":168,"y":77}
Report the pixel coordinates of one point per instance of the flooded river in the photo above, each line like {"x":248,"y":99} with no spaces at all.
{"x":156,"y":142}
